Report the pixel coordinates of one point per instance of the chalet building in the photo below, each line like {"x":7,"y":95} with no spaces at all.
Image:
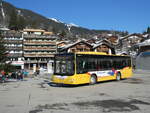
{"x":128,"y":43}
{"x":14,"y":45}
{"x":113,"y":39}
{"x":144,"y":46}
{"x":61,"y":44}
{"x":91,"y":41}
{"x":76,"y":47}
{"x":132,"y":39}
{"x":104,"y":46}
{"x":39,"y":48}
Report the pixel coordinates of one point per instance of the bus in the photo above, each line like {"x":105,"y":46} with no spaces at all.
{"x":90,"y":67}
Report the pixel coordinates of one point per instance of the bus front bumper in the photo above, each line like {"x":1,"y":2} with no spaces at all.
{"x":63,"y":80}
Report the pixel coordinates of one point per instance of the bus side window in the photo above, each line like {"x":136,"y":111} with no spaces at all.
{"x":124,"y":63}
{"x":117,"y":64}
{"x":114,"y":64}
{"x":99,"y":65}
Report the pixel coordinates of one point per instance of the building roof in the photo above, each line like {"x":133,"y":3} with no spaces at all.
{"x":71,"y":45}
{"x":4,"y":29}
{"x":145,"y":43}
{"x":105,"y":42}
{"x":134,"y":34}
{"x":48,"y":33}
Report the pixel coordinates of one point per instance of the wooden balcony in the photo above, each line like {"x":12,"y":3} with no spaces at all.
{"x":12,"y":35}
{"x":38,"y":55}
{"x":39,"y":43}
{"x":39,"y":48}
{"x":15,"y":55}
{"x":13,"y":41}
{"x":14,"y":48}
{"x":34,"y":61}
{"x":33,"y":36}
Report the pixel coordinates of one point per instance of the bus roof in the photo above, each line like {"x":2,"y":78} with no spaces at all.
{"x":94,"y":53}
{"x":98,"y":53}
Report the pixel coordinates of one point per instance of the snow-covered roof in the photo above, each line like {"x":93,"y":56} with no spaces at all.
{"x":58,"y":21}
{"x":4,"y":29}
{"x":102,"y":42}
{"x":146,"y":42}
{"x":134,"y":35}
{"x":70,"y":45}
{"x":72,"y":25}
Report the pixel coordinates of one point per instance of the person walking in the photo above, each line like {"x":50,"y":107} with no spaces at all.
{"x":3,"y":76}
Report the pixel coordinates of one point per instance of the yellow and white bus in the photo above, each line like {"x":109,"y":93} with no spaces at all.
{"x":90,"y":67}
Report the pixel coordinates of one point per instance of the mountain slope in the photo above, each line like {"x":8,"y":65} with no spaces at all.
{"x":34,"y":20}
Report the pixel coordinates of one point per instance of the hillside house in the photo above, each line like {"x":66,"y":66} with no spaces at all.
{"x":61,"y":44}
{"x":129,"y":42}
{"x":91,"y":41}
{"x":144,"y":46}
{"x":113,"y":39}
{"x":132,"y":39}
{"x":76,"y":47}
{"x":104,"y":46}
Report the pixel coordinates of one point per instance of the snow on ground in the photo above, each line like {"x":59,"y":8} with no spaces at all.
{"x":2,"y":10}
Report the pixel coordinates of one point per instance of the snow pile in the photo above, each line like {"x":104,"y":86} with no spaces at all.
{"x":56,"y":20}
{"x":2,"y":10}
{"x":72,"y":25}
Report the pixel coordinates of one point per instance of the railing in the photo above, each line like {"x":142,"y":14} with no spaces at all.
{"x":15,"y":55}
{"x":39,"y":43}
{"x":39,"y":48}
{"x":35,"y":61}
{"x":13,"y":41}
{"x":40,"y":36}
{"x":38,"y":55}
{"x":12,"y":35}
{"x":13,"y":48}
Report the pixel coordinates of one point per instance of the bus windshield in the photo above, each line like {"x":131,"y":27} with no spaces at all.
{"x":64,"y":64}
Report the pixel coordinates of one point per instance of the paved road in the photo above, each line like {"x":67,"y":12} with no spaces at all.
{"x":34,"y":95}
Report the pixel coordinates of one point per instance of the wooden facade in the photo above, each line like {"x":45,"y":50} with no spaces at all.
{"x":77,"y":47}
{"x":61,"y":44}
{"x":104,"y":46}
{"x":113,"y":39}
{"x":144,"y":48}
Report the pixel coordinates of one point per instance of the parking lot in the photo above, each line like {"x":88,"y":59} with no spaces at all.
{"x":37,"y":95}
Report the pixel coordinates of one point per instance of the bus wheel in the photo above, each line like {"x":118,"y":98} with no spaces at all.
{"x":93,"y":79}
{"x":118,"y":76}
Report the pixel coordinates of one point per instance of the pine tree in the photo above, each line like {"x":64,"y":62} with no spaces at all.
{"x":2,"y":50}
{"x":21,"y":23}
{"x":34,"y":24}
{"x":13,"y":20}
{"x":16,"y":22}
{"x":54,"y":30}
{"x":63,"y":34}
{"x":148,"y":30}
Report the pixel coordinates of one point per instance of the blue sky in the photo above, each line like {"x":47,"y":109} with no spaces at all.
{"x":130,"y":15}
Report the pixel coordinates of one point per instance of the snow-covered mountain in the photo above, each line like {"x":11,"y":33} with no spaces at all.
{"x":31,"y":19}
{"x":56,"y":20}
